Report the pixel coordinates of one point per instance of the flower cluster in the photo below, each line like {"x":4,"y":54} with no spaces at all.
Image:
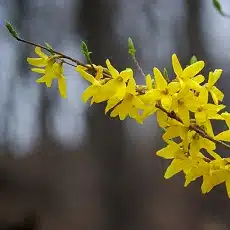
{"x":51,"y":67}
{"x":185,"y":106}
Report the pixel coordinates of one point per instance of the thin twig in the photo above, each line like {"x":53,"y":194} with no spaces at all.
{"x":56,"y":52}
{"x":138,"y":66}
{"x":68,"y":63}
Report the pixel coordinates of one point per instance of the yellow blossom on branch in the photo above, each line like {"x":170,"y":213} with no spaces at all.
{"x":51,"y":70}
{"x":182,"y":106}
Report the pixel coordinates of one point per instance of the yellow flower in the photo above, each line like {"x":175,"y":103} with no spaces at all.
{"x":181,"y":106}
{"x":175,"y":131}
{"x":129,"y":105}
{"x":202,"y":109}
{"x":216,"y":94}
{"x":117,"y":85}
{"x":187,"y":77}
{"x":51,"y":72}
{"x":179,"y":162}
{"x":214,"y":176}
{"x":93,"y":90}
{"x":197,"y":168}
{"x":198,"y":142}
{"x":47,"y":71}
{"x":164,"y":90}
{"x":46,"y":62}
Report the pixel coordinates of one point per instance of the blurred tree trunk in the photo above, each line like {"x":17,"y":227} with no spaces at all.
{"x":105,"y":135}
{"x":194,"y":30}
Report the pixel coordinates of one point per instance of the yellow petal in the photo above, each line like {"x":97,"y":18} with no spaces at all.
{"x":58,"y":68}
{"x":161,"y":83}
{"x":148,"y":80}
{"x":166,"y":101}
{"x":62,"y":87}
{"x":198,"y":79}
{"x":151,"y":97}
{"x":214,"y":154}
{"x":169,"y":151}
{"x":161,"y":118}
{"x":39,"y":52}
{"x":206,"y":185}
{"x":126,"y":74}
{"x":98,"y":97}
{"x":121,"y":90}
{"x":192,"y":70}
{"x":176,"y":65}
{"x":38,"y":70}
{"x":137,"y":102}
{"x":124,"y":110}
{"x":218,"y":93}
{"x":209,"y":129}
{"x":45,"y":79}
{"x":213,"y":77}
{"x":148,"y":110}
{"x":86,"y":75}
{"x":114,"y":73}
{"x":171,"y":132}
{"x":201,"y":116}
{"x":131,"y":87}
{"x":39,"y":62}
{"x":113,"y":101}
{"x":89,"y":92}
{"x":115,"y":111}
{"x":226,"y":117}
{"x":192,"y":175}
{"x":210,"y":181}
{"x":191,"y":84}
{"x":223,"y":136}
{"x":214,"y":97}
{"x":175,"y":167}
{"x":183,"y":113}
{"x":203,"y":97}
{"x":207,"y":144}
{"x":173,"y":87}
{"x":134,"y":113}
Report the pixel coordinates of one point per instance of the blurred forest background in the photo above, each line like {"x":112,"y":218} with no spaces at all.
{"x":66,"y":166}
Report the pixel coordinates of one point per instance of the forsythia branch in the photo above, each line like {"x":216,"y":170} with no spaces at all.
{"x":182,"y":107}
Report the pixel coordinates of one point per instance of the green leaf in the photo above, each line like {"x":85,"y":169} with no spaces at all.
{"x":85,"y":52}
{"x":50,"y":48}
{"x":131,"y":47}
{"x":218,"y":7}
{"x":11,"y":30}
{"x":193,"y":60}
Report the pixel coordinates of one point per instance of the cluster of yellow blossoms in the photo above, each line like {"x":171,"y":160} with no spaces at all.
{"x":184,"y":106}
{"x":52,"y":69}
